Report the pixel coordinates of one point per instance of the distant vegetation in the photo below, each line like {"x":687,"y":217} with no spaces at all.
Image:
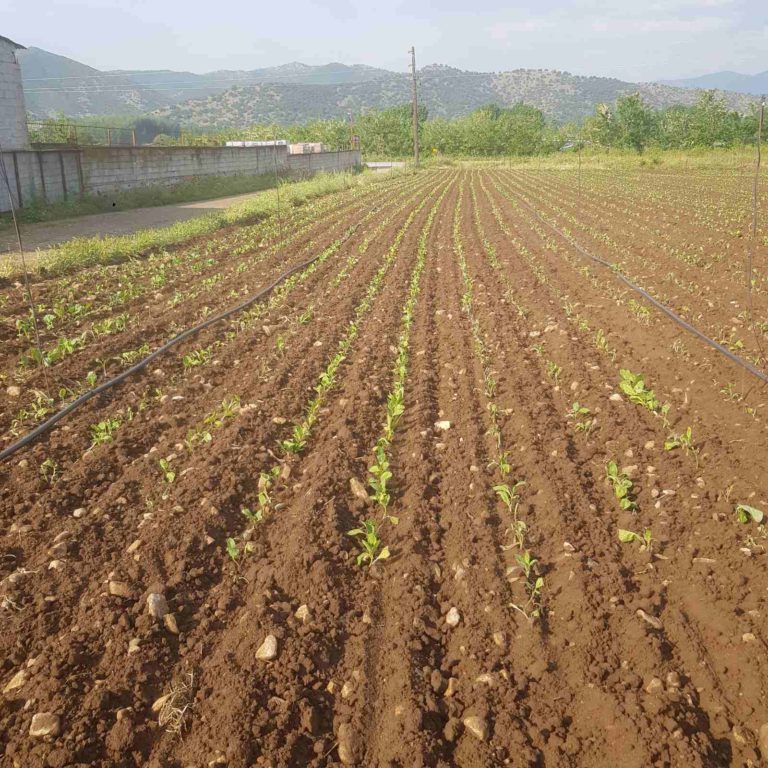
{"x":629,"y":123}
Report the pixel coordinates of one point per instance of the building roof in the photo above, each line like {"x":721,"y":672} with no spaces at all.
{"x":11,"y":43}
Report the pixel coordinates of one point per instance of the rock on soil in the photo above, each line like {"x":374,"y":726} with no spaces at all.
{"x":348,"y":744}
{"x":477,"y":727}
{"x":157,"y":605}
{"x":268,"y":649}
{"x":45,"y":724}
{"x":453,"y":617}
{"x":16,"y":681}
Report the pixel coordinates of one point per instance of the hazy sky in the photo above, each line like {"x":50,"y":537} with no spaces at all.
{"x":629,"y":39}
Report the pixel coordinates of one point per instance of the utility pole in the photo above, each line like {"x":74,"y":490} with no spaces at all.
{"x":415,"y":107}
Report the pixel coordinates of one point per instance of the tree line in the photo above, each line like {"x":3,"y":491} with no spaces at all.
{"x":491,"y":131}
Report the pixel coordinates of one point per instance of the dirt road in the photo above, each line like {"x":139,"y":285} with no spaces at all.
{"x":46,"y":234}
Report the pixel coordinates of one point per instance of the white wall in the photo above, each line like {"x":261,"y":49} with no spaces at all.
{"x":13,"y":117}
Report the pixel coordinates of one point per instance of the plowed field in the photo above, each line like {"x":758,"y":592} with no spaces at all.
{"x":554,"y":471}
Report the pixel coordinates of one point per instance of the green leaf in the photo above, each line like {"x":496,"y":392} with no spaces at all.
{"x":744,"y":512}
{"x":626,"y":537}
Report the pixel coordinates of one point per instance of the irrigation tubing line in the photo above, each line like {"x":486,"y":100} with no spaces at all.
{"x":656,"y":303}
{"x":41,"y":429}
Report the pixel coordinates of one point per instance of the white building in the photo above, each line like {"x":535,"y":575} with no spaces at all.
{"x":13,"y":115}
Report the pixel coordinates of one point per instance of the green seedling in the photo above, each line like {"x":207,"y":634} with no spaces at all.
{"x":633,"y":386}
{"x":49,"y":471}
{"x":554,"y":370}
{"x":280,"y":344}
{"x":198,"y":357}
{"x":577,"y":414}
{"x":91,"y":378}
{"x":168,"y":474}
{"x":518,"y":529}
{"x":622,"y":486}
{"x":509,"y":496}
{"x":745,"y":513}
{"x":104,"y":430}
{"x":684,"y":441}
{"x":645,"y":538}
{"x":380,"y":475}
{"x":368,"y":540}
{"x":234,"y":552}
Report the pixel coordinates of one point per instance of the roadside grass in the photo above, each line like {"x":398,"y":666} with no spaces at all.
{"x":82,"y":252}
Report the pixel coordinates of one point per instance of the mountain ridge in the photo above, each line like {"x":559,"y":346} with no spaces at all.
{"x":296,"y":92}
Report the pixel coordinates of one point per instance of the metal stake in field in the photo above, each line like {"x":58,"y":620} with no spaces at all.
{"x":753,"y":238}
{"x":277,"y":191}
{"x":415,"y":101}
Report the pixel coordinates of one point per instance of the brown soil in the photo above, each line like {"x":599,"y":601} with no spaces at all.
{"x":374,"y":674}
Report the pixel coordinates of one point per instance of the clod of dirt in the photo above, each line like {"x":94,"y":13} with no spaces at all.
{"x":477,"y":726}
{"x":45,"y":724}
{"x":652,"y":620}
{"x":436,"y":681}
{"x":119,"y":589}
{"x":134,"y":644}
{"x":655,"y":686}
{"x":453,"y":617}
{"x":358,"y":489}
{"x":157,"y":605}
{"x":13,"y":391}
{"x":349,"y":744}
{"x":170,"y":623}
{"x":673,"y":680}
{"x":17,"y":681}
{"x":443,"y":425}
{"x":79,"y":512}
{"x":451,"y":688}
{"x":762,"y":739}
{"x":268,"y":649}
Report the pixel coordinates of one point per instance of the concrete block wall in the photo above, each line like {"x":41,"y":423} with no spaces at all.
{"x":39,"y":176}
{"x":13,"y":116}
{"x":323,"y":162}
{"x":47,"y":175}
{"x":114,"y":169}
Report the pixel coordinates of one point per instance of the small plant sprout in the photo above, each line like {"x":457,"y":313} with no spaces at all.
{"x":509,"y":495}
{"x":371,"y":549}
{"x":622,"y":486}
{"x":104,"y":430}
{"x":234,"y":551}
{"x":581,"y":417}
{"x":168,"y":474}
{"x":280,"y":344}
{"x":554,"y":371}
{"x":684,"y":441}
{"x":633,"y":386}
{"x":645,"y":538}
{"x":49,"y":471}
{"x":745,"y":513}
{"x":533,"y":584}
{"x":380,"y":475}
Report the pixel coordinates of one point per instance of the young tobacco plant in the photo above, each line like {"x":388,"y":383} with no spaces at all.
{"x":684,"y":441}
{"x":371,"y":548}
{"x":645,"y":538}
{"x":622,"y":486}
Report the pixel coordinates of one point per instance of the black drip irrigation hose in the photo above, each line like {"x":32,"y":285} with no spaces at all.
{"x":41,"y":429}
{"x":647,"y":296}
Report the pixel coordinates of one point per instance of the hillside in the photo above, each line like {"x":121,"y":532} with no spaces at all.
{"x":297,"y":92}
{"x":444,"y":91}
{"x":728,"y":81}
